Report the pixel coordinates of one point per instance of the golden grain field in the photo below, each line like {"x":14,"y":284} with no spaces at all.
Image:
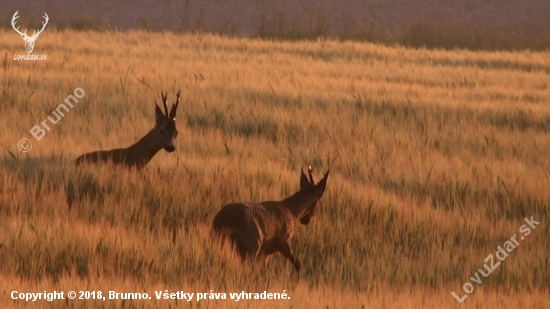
{"x":438,"y":158}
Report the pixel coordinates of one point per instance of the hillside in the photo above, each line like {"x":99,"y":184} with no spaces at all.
{"x":449,"y":23}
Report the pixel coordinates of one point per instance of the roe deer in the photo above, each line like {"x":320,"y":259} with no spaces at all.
{"x":140,"y":153}
{"x":261,"y":229}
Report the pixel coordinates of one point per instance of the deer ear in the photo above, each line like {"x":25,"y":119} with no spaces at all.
{"x":322,"y":185}
{"x":304,"y":182}
{"x":158,"y":114}
{"x":172,"y":114}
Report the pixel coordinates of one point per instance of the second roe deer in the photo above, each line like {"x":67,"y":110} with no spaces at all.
{"x":140,"y":153}
{"x":262,"y":229}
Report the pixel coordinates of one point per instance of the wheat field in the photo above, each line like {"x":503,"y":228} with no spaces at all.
{"x":436,"y":159}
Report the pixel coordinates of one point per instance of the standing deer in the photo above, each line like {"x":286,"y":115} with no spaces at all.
{"x":29,"y":40}
{"x":140,"y":153}
{"x":261,"y":229}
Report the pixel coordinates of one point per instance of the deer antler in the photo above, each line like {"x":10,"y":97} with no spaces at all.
{"x":15,"y":16}
{"x":165,"y":101}
{"x":309,"y":170}
{"x":175,"y":106}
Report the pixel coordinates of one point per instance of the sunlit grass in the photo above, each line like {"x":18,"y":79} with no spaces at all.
{"x":439,"y":157}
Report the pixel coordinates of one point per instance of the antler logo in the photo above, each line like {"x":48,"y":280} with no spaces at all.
{"x":29,"y":40}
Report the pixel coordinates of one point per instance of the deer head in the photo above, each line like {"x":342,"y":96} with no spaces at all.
{"x":29,"y":40}
{"x":166,"y":123}
{"x":320,"y":187}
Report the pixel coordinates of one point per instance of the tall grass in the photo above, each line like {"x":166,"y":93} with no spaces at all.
{"x":440,"y":157}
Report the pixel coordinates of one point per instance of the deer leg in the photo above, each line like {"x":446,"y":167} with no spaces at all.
{"x":285,"y":250}
{"x":245,"y":247}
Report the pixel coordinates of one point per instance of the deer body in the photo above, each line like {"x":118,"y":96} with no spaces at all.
{"x":140,"y":153}
{"x":258,"y":230}
{"x":137,"y":155}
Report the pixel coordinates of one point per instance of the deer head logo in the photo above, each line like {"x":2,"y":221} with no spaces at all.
{"x":29,"y":40}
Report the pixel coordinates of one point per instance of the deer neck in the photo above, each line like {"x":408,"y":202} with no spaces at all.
{"x":298,"y":202}
{"x":145,"y":149}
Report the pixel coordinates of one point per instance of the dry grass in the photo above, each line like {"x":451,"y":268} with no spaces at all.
{"x":441,"y":155}
{"x":475,"y":25}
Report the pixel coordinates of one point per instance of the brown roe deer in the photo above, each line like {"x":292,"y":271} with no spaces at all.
{"x":262,"y":229}
{"x":139,"y":154}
